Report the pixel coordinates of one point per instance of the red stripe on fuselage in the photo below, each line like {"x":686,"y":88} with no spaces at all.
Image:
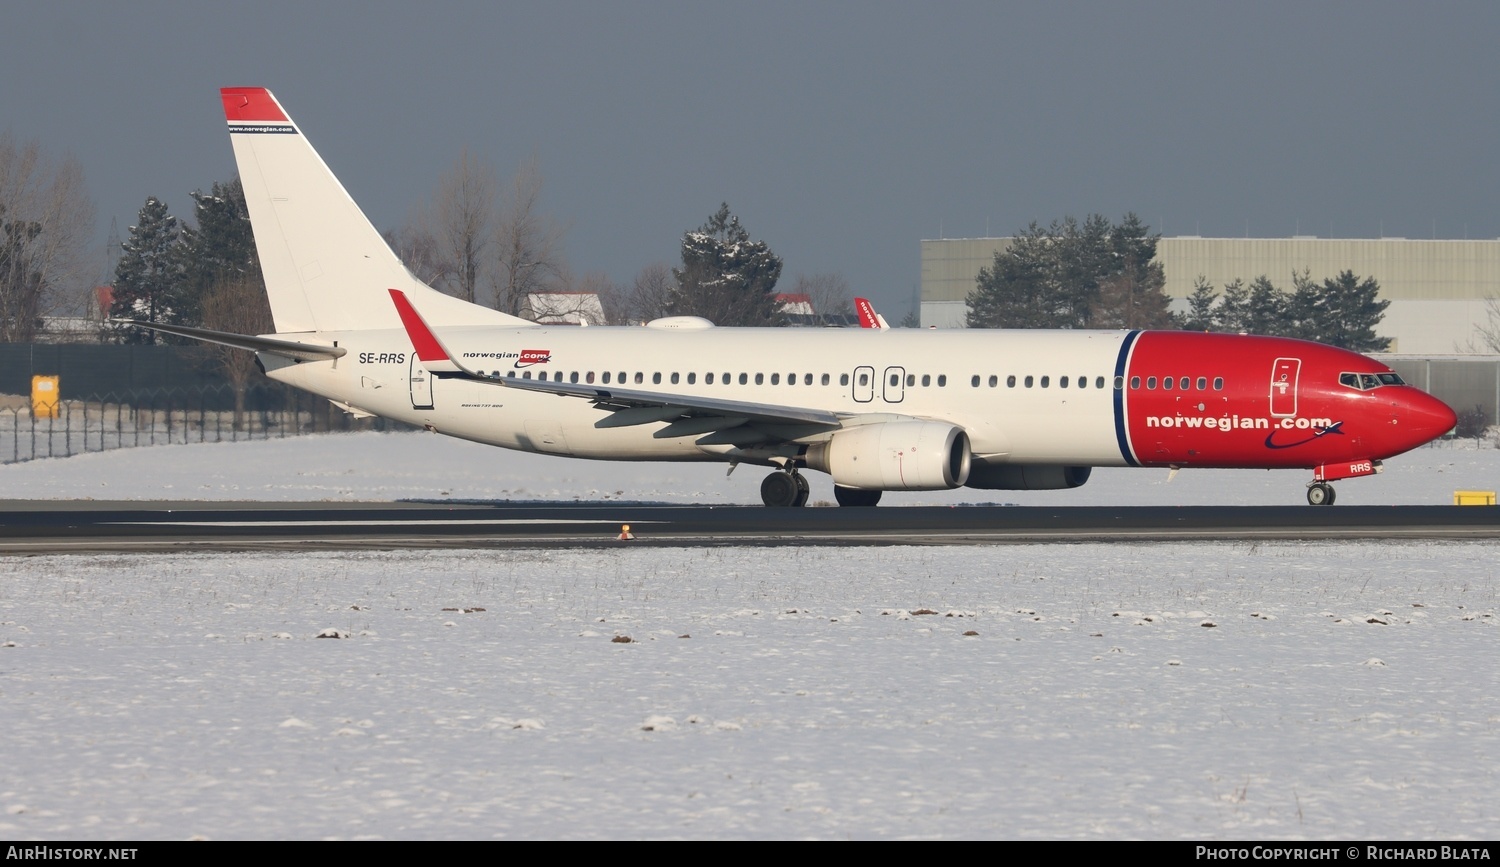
{"x":1240,"y":425}
{"x":251,"y":104}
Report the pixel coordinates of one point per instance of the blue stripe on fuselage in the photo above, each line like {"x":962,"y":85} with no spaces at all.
{"x":1120,"y":435}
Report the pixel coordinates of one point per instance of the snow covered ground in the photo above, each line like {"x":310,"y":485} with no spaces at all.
{"x":376,"y":466}
{"x":1223,"y":691}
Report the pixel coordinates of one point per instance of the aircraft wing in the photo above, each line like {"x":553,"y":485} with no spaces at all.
{"x":688,"y":414}
{"x":275,"y":346}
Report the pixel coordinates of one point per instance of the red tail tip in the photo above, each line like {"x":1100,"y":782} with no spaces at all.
{"x":252,"y":104}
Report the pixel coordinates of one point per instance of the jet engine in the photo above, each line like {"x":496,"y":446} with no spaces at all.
{"x":1026,"y":477}
{"x":895,"y":456}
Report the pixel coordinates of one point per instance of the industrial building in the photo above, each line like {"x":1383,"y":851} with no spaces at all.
{"x":1437,"y":289}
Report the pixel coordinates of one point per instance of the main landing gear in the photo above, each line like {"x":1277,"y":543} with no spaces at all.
{"x":1320,"y":494}
{"x":788,"y":489}
{"x":785,"y":488}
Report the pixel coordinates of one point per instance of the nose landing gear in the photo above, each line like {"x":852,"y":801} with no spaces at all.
{"x":785,"y":489}
{"x":1320,"y":494}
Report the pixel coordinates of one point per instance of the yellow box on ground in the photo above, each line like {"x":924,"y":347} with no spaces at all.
{"x":44,"y":396}
{"x":1473,"y":498}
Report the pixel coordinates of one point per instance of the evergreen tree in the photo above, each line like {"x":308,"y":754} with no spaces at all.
{"x":1266,"y":309}
{"x":21,"y":283}
{"x":149,"y":276}
{"x":1073,"y":275}
{"x":221,"y":248}
{"x":1200,"y":315}
{"x":1233,"y":314}
{"x":1350,"y":310}
{"x":726,"y":277}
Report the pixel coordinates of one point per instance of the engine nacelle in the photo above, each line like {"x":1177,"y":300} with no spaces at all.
{"x":895,"y":456}
{"x":1027,"y":477}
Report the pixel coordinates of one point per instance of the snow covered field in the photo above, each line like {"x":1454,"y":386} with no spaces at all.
{"x":1162,"y":691}
{"x":376,"y":466}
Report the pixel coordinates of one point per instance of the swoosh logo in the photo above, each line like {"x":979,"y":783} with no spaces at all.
{"x":1335,"y":428}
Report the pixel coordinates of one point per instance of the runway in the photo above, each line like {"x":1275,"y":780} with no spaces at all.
{"x":53,"y":526}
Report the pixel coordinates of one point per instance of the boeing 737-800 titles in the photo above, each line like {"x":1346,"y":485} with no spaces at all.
{"x":877,"y":409}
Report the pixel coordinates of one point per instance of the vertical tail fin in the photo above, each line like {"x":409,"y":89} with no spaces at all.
{"x":326,"y":267}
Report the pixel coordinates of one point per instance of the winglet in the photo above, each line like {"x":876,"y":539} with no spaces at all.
{"x":430,"y":351}
{"x":868,"y":318}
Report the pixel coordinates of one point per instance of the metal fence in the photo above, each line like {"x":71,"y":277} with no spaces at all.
{"x":166,"y":416}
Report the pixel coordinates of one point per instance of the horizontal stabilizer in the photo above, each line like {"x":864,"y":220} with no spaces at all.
{"x":285,"y":348}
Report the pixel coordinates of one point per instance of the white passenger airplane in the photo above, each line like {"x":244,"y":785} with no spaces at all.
{"x":877,"y":409}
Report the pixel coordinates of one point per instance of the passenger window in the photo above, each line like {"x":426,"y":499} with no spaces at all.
{"x":639,"y":377}
{"x":1028,"y":382}
{"x":864,"y":379}
{"x":1010,"y":381}
{"x":622,"y":377}
{"x":526,"y":375}
{"x":760,"y":379}
{"x":824,"y":380}
{"x":1062,"y":382}
{"x":994,"y":380}
{"x":911,"y":379}
{"x":1218,"y":383}
{"x":974,"y":382}
{"x":693,"y":378}
{"x":1044,"y":381}
{"x":1151,"y":382}
{"x":776,"y":379}
{"x":1135,"y":382}
{"x":807,"y":378}
{"x":926,"y":380}
{"x":744,"y":378}
{"x":1099,"y":382}
{"x":606,"y":377}
{"x":708,"y":379}
{"x":656,"y":378}
{"x":1166,"y":383}
{"x":573,"y":377}
{"x":1185,"y":383}
{"x":1203,"y":383}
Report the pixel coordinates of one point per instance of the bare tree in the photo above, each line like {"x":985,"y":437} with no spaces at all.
{"x":528,"y":255}
{"x":651,"y":295}
{"x":831,"y":298}
{"x":237,"y":304}
{"x":419,"y":250}
{"x":45,"y":219}
{"x":463,"y":223}
{"x":1487,"y":333}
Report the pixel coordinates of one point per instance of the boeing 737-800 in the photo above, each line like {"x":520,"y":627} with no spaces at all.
{"x":877,"y":409}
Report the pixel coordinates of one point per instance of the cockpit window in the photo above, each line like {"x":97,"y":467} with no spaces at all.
{"x":1367,"y":381}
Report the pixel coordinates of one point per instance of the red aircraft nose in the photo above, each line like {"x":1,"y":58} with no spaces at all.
{"x":1427,"y":418}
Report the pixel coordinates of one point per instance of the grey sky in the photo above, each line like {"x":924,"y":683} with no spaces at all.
{"x":841,"y":133}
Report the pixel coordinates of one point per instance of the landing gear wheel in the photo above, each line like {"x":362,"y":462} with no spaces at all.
{"x":853,"y":497}
{"x":1320,"y":494}
{"x":781,"y":490}
{"x":804,"y":490}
